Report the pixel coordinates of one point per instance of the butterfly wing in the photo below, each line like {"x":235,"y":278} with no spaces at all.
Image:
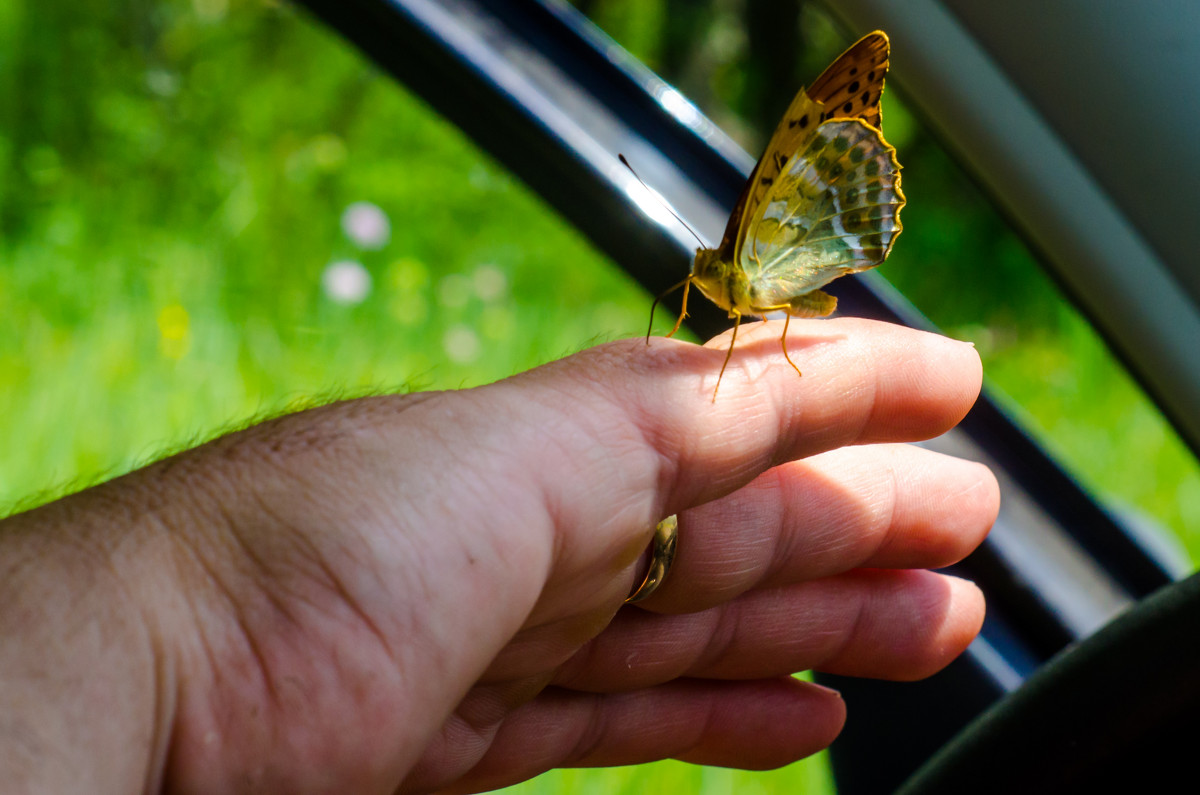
{"x":835,"y":209}
{"x":795,"y":130}
{"x":850,"y":87}
{"x":853,"y":84}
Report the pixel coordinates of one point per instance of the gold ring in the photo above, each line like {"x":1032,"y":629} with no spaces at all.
{"x":662,"y":554}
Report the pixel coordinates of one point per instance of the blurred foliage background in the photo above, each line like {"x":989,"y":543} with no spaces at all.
{"x":215,"y":210}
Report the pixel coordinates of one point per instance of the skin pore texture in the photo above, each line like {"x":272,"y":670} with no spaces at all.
{"x":425,"y":592}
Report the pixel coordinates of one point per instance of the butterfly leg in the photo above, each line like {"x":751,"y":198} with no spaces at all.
{"x":812,"y":304}
{"x":685,"y":284}
{"x":783,"y":341}
{"x":737,"y":322}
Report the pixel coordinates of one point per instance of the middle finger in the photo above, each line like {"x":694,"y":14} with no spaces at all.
{"x":880,"y":506}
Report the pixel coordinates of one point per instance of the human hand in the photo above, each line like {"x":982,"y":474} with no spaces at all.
{"x":425,"y":592}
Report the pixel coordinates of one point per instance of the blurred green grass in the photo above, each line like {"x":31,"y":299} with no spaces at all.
{"x":167,"y":223}
{"x":173,"y":176}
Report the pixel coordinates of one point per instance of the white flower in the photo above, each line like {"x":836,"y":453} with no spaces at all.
{"x":346,"y":282}
{"x":366,"y":225}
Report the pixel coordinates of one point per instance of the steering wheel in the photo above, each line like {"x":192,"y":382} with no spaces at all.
{"x":1118,"y":712}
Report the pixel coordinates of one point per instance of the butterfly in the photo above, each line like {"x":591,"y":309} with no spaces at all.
{"x":823,"y":201}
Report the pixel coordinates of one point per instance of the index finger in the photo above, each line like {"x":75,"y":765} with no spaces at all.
{"x":864,"y":381}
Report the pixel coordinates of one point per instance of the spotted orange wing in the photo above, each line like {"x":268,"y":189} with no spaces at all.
{"x":854,"y":81}
{"x":832,"y":207}
{"x":853,"y":84}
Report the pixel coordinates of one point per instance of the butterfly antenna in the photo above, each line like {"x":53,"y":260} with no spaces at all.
{"x":666,"y":206}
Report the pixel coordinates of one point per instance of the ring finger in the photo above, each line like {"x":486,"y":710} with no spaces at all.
{"x":879,"y":623}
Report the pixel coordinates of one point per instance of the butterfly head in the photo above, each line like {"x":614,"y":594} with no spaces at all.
{"x":722,"y":281}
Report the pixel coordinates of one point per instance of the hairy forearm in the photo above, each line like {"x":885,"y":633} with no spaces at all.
{"x":83,"y":683}
{"x":196,"y":617}
{"x":118,"y":607}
